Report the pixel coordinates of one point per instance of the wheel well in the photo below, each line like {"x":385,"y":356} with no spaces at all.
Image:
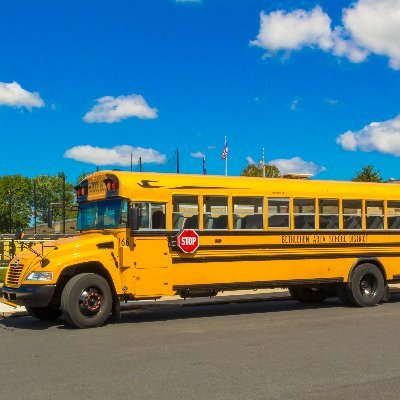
{"x":373,"y":261}
{"x":91,"y":267}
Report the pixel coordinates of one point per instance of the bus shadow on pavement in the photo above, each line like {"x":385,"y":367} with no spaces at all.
{"x":231,"y":309}
{"x":182,"y":312}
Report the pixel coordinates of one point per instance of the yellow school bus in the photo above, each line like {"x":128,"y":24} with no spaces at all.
{"x":317,"y":238}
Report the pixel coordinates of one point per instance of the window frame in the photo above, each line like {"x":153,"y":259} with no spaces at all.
{"x":297,"y":214}
{"x":262,"y":204}
{"x":339,"y":214}
{"x":289,"y":213}
{"x":228,"y":212}
{"x":362,"y":215}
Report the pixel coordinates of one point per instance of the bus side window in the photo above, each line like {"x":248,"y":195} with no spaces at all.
{"x":278,"y":213}
{"x":151,"y":215}
{"x":352,"y":214}
{"x":374,"y":211}
{"x":185,"y":212}
{"x":393,"y":214}
{"x":144,"y":212}
{"x":215,"y":212}
{"x":328,"y":214}
{"x":157,"y":215}
{"x":304,"y":213}
{"x":124,"y":213}
{"x":248,"y":213}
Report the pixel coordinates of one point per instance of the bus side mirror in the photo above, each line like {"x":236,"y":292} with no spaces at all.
{"x":50,"y":217}
{"x":133,"y":219}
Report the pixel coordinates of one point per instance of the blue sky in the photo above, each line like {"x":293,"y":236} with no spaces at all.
{"x":305,"y":82}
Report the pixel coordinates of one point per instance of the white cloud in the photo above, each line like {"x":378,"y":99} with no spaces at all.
{"x":114,"y":109}
{"x":296,"y":165}
{"x":197,"y":154}
{"x":368,"y":27}
{"x":331,"y":102}
{"x":291,"y":31}
{"x":250,"y":160}
{"x":383,"y":137}
{"x":295,"y":104}
{"x":375,"y":26}
{"x":118,"y":155}
{"x":13,"y":95}
{"x":211,"y":147}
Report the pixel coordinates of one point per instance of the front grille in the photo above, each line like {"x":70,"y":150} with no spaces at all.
{"x":14,"y":273}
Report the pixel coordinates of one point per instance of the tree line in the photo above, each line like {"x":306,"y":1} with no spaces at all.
{"x":22,"y":199}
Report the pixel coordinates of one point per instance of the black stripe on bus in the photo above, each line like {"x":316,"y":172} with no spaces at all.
{"x":208,"y":259}
{"x":321,"y":246}
{"x":257,"y":284}
{"x":239,"y":233}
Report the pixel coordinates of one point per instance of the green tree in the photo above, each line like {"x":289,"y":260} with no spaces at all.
{"x":82,"y":176}
{"x":367,"y":174}
{"x":49,"y":191}
{"x":252,"y":170}
{"x":15,"y":198}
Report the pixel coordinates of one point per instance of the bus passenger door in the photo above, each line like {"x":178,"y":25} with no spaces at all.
{"x":151,"y":270}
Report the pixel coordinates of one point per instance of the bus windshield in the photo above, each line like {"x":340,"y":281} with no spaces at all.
{"x":102,"y":214}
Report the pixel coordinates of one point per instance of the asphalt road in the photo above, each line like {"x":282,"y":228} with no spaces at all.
{"x":261,"y":350}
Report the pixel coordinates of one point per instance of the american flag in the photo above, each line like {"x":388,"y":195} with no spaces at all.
{"x":225,"y":151}
{"x":204,"y":166}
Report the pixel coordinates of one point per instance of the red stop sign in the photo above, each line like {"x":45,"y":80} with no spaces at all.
{"x":188,"y":241}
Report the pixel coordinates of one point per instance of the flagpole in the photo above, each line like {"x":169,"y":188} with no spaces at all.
{"x":226,"y":161}
{"x":263,"y":162}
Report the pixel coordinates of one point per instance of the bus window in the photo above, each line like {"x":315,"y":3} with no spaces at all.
{"x":352,"y":214}
{"x":278,"y":213}
{"x":157,"y":215}
{"x":152,"y":215}
{"x":124,"y":213}
{"x":248,"y":213}
{"x":328,"y":214}
{"x":393,"y":214}
{"x":215,"y":212}
{"x":185,"y":214}
{"x":374,"y":211}
{"x":304,"y":213}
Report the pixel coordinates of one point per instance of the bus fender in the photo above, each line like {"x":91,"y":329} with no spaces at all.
{"x":370,"y":260}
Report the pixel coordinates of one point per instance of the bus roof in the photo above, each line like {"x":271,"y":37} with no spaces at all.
{"x":140,"y":184}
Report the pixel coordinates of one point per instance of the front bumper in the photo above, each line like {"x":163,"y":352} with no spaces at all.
{"x":29,"y":295}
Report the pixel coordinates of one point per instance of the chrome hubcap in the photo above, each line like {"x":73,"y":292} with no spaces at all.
{"x":368,"y":285}
{"x":90,"y":301}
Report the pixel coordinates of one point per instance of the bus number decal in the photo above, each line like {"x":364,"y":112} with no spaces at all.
{"x":123,"y":242}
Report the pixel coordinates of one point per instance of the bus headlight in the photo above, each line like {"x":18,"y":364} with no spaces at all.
{"x":40,"y":276}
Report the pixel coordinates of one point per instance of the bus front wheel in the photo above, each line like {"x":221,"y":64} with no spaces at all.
{"x":86,"y":301}
{"x":365,"y":287}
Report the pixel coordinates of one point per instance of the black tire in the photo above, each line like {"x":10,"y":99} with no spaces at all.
{"x":86,"y":301}
{"x":308,"y":295}
{"x":366,"y":285}
{"x":48,"y":313}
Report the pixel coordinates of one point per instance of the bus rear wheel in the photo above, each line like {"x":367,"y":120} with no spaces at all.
{"x":366,"y":286}
{"x":48,"y":313}
{"x":307,"y":294}
{"x":86,"y":301}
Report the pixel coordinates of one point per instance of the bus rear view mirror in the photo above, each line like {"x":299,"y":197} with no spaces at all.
{"x":133,"y":219}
